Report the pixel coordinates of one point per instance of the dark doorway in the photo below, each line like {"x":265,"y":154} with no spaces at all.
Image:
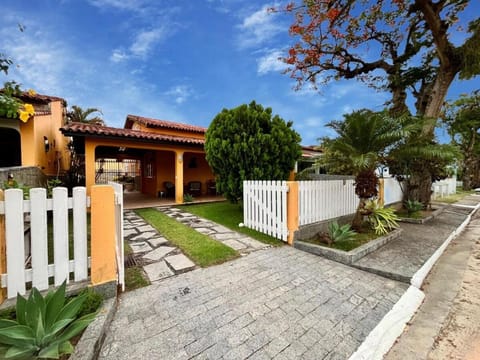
{"x":10,"y":148}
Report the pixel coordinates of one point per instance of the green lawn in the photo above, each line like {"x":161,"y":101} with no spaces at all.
{"x":201,"y":249}
{"x":229,"y":215}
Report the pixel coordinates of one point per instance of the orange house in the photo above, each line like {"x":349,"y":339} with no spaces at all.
{"x":170,"y":155}
{"x":37,"y":142}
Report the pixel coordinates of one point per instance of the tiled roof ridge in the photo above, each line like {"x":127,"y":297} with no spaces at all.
{"x":165,"y":124}
{"x":83,"y":128}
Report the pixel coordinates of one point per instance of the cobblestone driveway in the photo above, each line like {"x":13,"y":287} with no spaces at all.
{"x":277,"y":303}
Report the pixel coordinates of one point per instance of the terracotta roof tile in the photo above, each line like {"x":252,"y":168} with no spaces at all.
{"x":155,"y":123}
{"x":82,"y":129}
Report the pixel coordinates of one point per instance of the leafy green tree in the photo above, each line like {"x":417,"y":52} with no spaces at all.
{"x":363,"y":140}
{"x":418,"y":154}
{"x":462,"y":118}
{"x":77,"y":114}
{"x":249,"y":143}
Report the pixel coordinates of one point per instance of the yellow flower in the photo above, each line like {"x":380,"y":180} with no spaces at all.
{"x":29,"y":109}
{"x":32,"y":92}
{"x":24,"y":116}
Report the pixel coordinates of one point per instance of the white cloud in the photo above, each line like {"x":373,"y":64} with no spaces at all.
{"x":180,"y":93}
{"x":258,"y":28}
{"x":118,"y":55}
{"x":135,"y":5}
{"x":270,"y":62}
{"x":145,"y":41}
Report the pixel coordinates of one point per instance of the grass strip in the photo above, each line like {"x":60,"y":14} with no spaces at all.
{"x":229,"y":215}
{"x":201,"y":249}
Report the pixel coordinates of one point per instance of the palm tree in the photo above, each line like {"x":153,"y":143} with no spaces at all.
{"x":77,"y":114}
{"x":363,"y":139}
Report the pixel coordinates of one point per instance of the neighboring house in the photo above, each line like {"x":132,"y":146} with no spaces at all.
{"x":37,"y":142}
{"x":170,"y":155}
{"x":309,"y":155}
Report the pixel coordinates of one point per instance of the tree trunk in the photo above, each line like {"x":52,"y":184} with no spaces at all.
{"x":420,"y":187}
{"x":358,"y":218}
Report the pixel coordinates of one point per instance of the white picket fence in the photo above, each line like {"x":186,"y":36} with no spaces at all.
{"x":392,"y":191}
{"x":265,"y":207}
{"x":323,"y":200}
{"x":444,"y":187}
{"x":39,"y":270}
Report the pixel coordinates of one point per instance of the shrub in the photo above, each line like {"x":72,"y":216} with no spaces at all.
{"x":43,"y":326}
{"x":413,"y":206}
{"x":380,"y":218}
{"x":250,"y":143}
{"x":188,"y":198}
{"x":340,"y":233}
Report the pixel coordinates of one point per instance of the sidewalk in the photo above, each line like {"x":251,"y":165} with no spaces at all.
{"x":447,"y":325}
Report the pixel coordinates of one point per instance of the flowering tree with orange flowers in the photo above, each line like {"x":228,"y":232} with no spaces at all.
{"x":402,"y":46}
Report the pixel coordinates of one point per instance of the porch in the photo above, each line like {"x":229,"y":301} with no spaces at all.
{"x":138,"y":200}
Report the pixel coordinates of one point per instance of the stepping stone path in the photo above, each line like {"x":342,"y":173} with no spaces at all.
{"x":240,"y":242}
{"x":160,"y":259}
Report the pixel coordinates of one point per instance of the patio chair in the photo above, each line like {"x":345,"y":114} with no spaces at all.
{"x":194,"y":188}
{"x":211,"y":187}
{"x":169,"y":189}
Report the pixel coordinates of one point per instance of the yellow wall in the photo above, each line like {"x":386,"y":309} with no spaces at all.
{"x":32,"y":141}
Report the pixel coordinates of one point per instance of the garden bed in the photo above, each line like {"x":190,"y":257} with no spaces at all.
{"x":422,"y":217}
{"x":347,"y":257}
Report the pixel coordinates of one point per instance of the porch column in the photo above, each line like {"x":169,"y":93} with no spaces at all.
{"x":89,"y":165}
{"x":179,"y":177}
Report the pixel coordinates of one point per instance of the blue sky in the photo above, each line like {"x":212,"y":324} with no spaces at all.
{"x":178,"y":60}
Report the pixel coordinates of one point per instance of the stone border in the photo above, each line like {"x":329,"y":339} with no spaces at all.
{"x":344,"y":257}
{"x":423,"y":220}
{"x":92,"y":338}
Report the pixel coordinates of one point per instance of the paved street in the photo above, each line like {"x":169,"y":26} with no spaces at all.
{"x":277,"y":303}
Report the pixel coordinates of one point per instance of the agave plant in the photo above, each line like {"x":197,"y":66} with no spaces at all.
{"x":413,"y":206}
{"x":380,"y":218}
{"x":43,"y":326}
{"x":340,"y":233}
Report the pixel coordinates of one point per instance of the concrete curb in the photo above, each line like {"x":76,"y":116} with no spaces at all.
{"x":92,"y":339}
{"x":419,"y":277}
{"x":383,"y":336}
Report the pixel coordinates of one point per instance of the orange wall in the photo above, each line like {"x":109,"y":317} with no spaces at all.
{"x":165,"y":168}
{"x":201,"y":173}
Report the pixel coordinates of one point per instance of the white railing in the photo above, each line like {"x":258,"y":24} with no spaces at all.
{"x":265,"y":207}
{"x":392,"y":191}
{"x":323,"y":200}
{"x":33,"y":265}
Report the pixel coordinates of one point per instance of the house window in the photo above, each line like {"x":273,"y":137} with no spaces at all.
{"x":149,"y":170}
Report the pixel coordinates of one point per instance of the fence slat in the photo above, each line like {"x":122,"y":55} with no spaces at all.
{"x":79,"y":205}
{"x":60,"y":235}
{"x":14,"y":233}
{"x":39,"y":240}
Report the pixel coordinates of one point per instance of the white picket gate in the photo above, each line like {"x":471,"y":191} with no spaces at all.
{"x":39,"y":271}
{"x":327,"y":199}
{"x":265,"y":207}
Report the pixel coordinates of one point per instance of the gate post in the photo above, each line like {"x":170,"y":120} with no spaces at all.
{"x":292,"y":210}
{"x":3,"y":250}
{"x":103,"y":230}
{"x":381,"y":192}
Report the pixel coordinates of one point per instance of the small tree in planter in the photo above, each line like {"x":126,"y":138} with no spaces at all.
{"x":363,"y":139}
